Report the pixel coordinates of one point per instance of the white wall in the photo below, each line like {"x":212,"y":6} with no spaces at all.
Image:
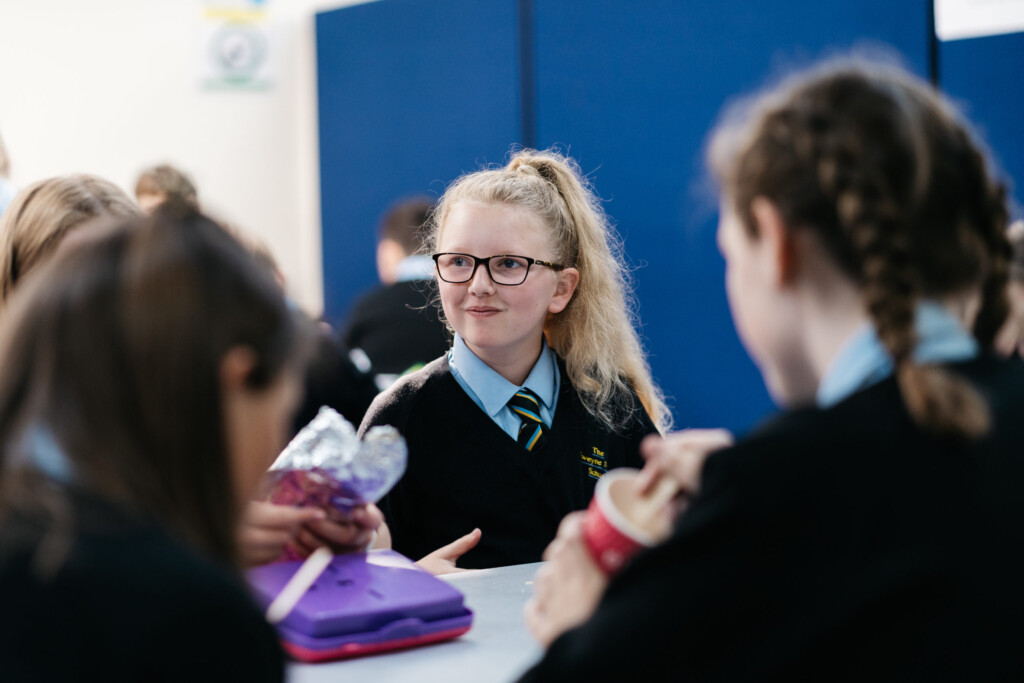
{"x":111,"y":86}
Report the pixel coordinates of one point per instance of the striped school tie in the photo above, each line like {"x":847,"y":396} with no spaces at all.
{"x":526,"y":405}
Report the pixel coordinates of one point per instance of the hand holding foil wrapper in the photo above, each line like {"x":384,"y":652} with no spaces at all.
{"x":327,"y":466}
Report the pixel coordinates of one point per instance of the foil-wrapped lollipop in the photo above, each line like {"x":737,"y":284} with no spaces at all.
{"x":327,"y":466}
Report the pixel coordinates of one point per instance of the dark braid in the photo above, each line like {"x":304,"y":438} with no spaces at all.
{"x":868,"y":213}
{"x":992,"y":217}
{"x":889,"y":282}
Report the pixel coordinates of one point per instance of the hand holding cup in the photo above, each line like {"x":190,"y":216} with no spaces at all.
{"x":680,"y":457}
{"x":623,"y":518}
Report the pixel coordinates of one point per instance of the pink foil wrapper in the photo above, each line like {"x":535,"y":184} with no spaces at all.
{"x":327,"y":466}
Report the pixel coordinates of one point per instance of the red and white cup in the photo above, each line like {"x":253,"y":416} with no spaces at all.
{"x":610,"y":536}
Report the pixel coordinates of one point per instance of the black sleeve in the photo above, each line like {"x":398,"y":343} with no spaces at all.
{"x":352,"y":332}
{"x":332,"y":379}
{"x":216,"y":633}
{"x":392,"y":407}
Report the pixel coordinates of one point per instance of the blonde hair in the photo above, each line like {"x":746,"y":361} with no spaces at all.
{"x":42,"y":214}
{"x":594,"y":334}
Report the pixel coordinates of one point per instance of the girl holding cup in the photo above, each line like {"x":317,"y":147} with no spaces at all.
{"x":871,"y":530}
{"x":531,"y":282}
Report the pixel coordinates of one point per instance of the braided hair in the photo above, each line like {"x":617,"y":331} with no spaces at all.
{"x":885,"y":173}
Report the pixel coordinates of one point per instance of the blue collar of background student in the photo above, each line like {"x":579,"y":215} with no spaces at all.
{"x":7,"y":192}
{"x":491,"y":392}
{"x":415,"y":267}
{"x":863,"y":361}
{"x":39,"y":449}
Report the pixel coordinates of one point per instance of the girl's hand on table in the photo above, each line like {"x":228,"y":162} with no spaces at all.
{"x":567,"y":589}
{"x":442,"y":560}
{"x":679,"y":456}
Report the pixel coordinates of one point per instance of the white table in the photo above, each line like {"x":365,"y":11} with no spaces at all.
{"x":498,"y":648}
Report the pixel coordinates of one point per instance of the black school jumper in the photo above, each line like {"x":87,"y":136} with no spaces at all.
{"x":465,"y":472}
{"x":841,"y":544}
{"x":397,"y":326}
{"x":128,"y":603}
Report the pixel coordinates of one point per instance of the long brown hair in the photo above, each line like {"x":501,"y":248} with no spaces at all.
{"x":114,"y":348}
{"x":886,"y":174}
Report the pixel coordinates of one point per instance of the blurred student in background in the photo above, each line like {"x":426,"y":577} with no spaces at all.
{"x":46,"y":213}
{"x":872,"y":531}
{"x":149,"y":376}
{"x":160,"y":183}
{"x":333,"y":379}
{"x":397,"y":325}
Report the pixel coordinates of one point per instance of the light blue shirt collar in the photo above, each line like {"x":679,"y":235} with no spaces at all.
{"x":863,"y":361}
{"x":7,"y":192}
{"x":39,"y":449}
{"x":493,"y":391}
{"x":415,"y":267}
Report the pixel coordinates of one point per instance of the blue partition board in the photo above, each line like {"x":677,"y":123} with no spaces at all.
{"x":987,"y":76}
{"x":631,"y":90}
{"x":412,"y":93}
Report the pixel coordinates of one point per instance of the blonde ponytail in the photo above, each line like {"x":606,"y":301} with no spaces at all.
{"x":595,"y":333}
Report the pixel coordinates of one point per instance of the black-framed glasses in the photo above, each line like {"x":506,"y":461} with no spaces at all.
{"x":504,"y":269}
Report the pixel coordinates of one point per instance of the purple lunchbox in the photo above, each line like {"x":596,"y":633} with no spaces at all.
{"x":361,"y":604}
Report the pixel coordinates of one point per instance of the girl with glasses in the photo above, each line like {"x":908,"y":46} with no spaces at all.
{"x":546,"y":386}
{"x":872,"y":530}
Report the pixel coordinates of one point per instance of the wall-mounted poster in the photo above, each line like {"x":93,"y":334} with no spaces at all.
{"x":237,"y":47}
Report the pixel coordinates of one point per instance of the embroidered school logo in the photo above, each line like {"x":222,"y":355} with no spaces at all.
{"x":594,"y":463}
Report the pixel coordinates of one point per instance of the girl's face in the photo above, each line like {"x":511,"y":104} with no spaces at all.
{"x":761,"y":308}
{"x":256,"y":420}
{"x":502,"y":324}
